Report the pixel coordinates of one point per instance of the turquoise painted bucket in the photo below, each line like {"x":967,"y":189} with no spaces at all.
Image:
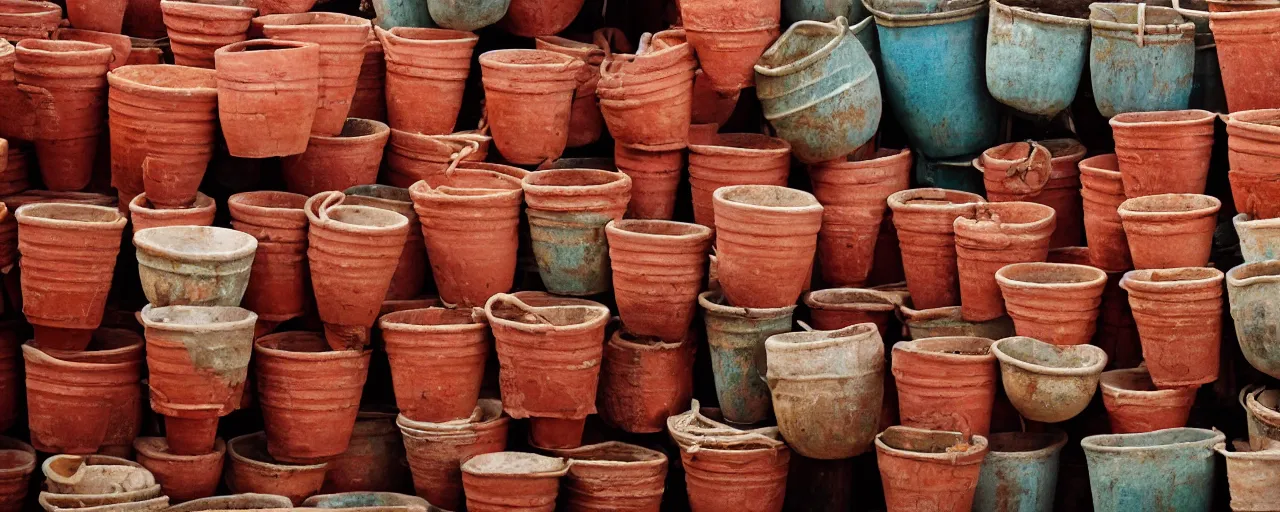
{"x":572,"y":251}
{"x":1170,"y":470}
{"x":821,"y":10}
{"x":1035,"y":59}
{"x":399,"y":13}
{"x":1020,"y":473}
{"x":865,"y":31}
{"x":736,"y":339}
{"x":1141,"y":58}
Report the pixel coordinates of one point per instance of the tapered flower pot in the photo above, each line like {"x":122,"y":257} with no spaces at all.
{"x":512,"y":481}
{"x":267,"y":96}
{"x":853,"y":192}
{"x":613,"y":476}
{"x":837,"y":308}
{"x":1020,"y":472}
{"x":1102,"y":191}
{"x":411,"y":273}
{"x":28,"y":20}
{"x":78,"y":403}
{"x":946,"y":383}
{"x":17,"y":461}
{"x":67,"y":82}
{"x":370,"y":100}
{"x":736,"y":339}
{"x":924,"y":219}
{"x":646,"y":98}
{"x":1179,"y":317}
{"x":194,"y":265}
{"x":426,"y":71}
{"x":196,"y":30}
{"x":342,"y":39}
{"x":1251,"y":288}
{"x":436,"y":451}
{"x":997,"y":234}
{"x":734,"y":159}
{"x":1248,"y":473}
{"x":1134,"y":403}
{"x":1239,"y":36}
{"x":1262,"y":416}
{"x":1251,"y":140}
{"x":1125,"y":34}
{"x":1056,"y":303}
{"x":144,"y":215}
{"x":528,"y":101}
{"x":729,"y":41}
{"x":253,"y":470}
{"x":412,"y":157}
{"x":309,"y":394}
{"x":585,"y":122}
{"x":666,"y":368}
{"x":1122,"y":466}
{"x":655,"y":175}
{"x":1164,"y":152}
{"x":353,"y":251}
{"x":374,"y":460}
{"x":730,"y":469}
{"x":1014,"y":171}
{"x":1062,"y":191}
{"x":1255,"y":193}
{"x":1155,"y":224}
{"x":568,"y":210}
{"x":182,"y":477}
{"x":350,"y":158}
{"x":658,"y":270}
{"x":1048,"y":383}
{"x":929,"y":469}
{"x":766,"y":240}
{"x":437,"y":361}
{"x":532,"y":18}
{"x":68,"y":257}
{"x":279,"y":287}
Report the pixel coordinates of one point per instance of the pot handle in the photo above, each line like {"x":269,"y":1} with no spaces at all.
{"x":1031,"y":174}
{"x":1142,"y":24}
{"x":522,"y":306}
{"x":470,"y":147}
{"x":42,"y":102}
{"x":608,"y":38}
{"x":334,"y":198}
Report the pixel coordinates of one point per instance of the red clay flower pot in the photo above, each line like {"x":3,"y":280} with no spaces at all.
{"x":1253,"y":140}
{"x":766,"y":240}
{"x":436,"y":451}
{"x":412,"y":157}
{"x":1055,"y":303}
{"x":730,"y":469}
{"x":470,"y":222}
{"x":1062,"y":192}
{"x":836,"y":308}
{"x":512,"y":481}
{"x":655,"y":175}
{"x":437,"y":361}
{"x":17,"y":121}
{"x":1014,"y":171}
{"x":1256,"y":193}
{"x":996,"y":235}
{"x":353,"y":252}
{"x":658,"y":271}
{"x":411,"y":273}
{"x":80,"y":402}
{"x":532,"y":18}
{"x":528,"y":101}
{"x":1164,"y":152}
{"x":1135,"y":405}
{"x":614,"y":476}
{"x":67,"y":81}
{"x":1179,"y":317}
{"x":924,"y":219}
{"x":342,"y":39}
{"x":427,"y":70}
{"x":946,"y":383}
{"x":253,"y":470}
{"x":197,"y":30}
{"x":370,"y":101}
{"x":853,"y":192}
{"x":729,"y":39}
{"x":646,"y":99}
{"x":1241,"y":37}
{"x":68,"y":258}
{"x":374,"y":460}
{"x":338,"y":162}
{"x":585,"y":122}
{"x":1170,"y":230}
{"x":267,"y":96}
{"x":22,"y":19}
{"x":279,"y":287}
{"x":100,"y":15}
{"x":17,"y":461}
{"x":729,"y":159}
{"x":182,"y":477}
{"x":568,"y":210}
{"x":144,"y":215}
{"x":1103,"y":191}
{"x":929,"y":469}
{"x":309,"y":394}
{"x":664,"y":372}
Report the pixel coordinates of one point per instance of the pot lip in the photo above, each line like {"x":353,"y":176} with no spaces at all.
{"x":329,"y":20}
{"x":49,"y":47}
{"x":246,"y":12}
{"x":1247,"y":119}
{"x":1113,"y":389}
{"x":326,"y":355}
{"x":887,"y":301}
{"x":158,"y":448}
{"x":120,"y":78}
{"x":696,"y":234}
{"x":1197,"y":277}
{"x":900,"y":201}
{"x":487,"y":407}
{"x":380,"y":131}
{"x":1154,"y":29}
{"x":141,"y":205}
{"x":652,"y":457}
{"x":388,"y":193}
{"x":1244,"y":220}
{"x":617,"y":338}
{"x":275,"y":466}
{"x":246,"y":200}
{"x":1093,"y":368}
{"x":80,"y":366}
{"x":810,"y":206}
{"x":1087,"y":166}
{"x":398,"y":321}
{"x":1204,"y":205}
{"x":736,"y":144}
{"x":1058,"y":436}
{"x":1248,"y":397}
{"x":914,"y":346}
{"x":314,"y":203}
{"x":149,"y":240}
{"x":27,"y":214}
{"x":1161,"y":119}
{"x":1213,"y":437}
{"x":874,"y":162}
{"x":816,"y":340}
{"x":712,"y":301}
{"x":978,"y":447}
{"x":268,"y":44}
{"x":554,"y":466}
{"x":47,"y":8}
{"x":501,"y":59}
{"x":9,"y":443}
{"x":603,"y":317}
{"x":614,"y":182}
{"x":402,"y":33}
{"x":1267,"y":455}
{"x":1004,"y":279}
{"x":424,"y":194}
{"x":247,"y":322}
{"x":1045,"y":17}
{"x":1270,"y":269}
{"x":1048,"y":217}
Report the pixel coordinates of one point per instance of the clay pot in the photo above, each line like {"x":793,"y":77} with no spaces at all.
{"x":568,"y":210}
{"x":1164,"y":152}
{"x":196,"y":30}
{"x":1261,"y":416}
{"x":353,"y":252}
{"x":730,"y":41}
{"x":1248,"y":474}
{"x":67,"y":82}
{"x":646,"y":98}
{"x":68,"y":257}
{"x":342,"y":39}
{"x":614,"y":476}
{"x":78,"y":403}
{"x":997,"y":234}
{"x":372,"y":500}
{"x":532,"y":18}
{"x":1048,"y":383}
{"x":1125,"y":465}
{"x":1255,"y":193}
{"x":121,"y":45}
{"x":736,"y":337}
{"x":853,"y":192}
{"x":1179,"y":317}
{"x":144,"y":215}
{"x":734,"y":159}
{"x":1153,"y":224}
{"x":655,"y":175}
{"x":251,"y":469}
{"x":283,"y":6}
{"x":924,"y":219}
{"x":374,"y":461}
{"x":18,"y":162}
{"x":17,"y":461}
{"x":665,"y":368}
{"x":194,"y":265}
{"x":837,"y":308}
{"x":929,"y":469}
{"x":1251,"y":288}
{"x":827,"y":388}
{"x":426,"y":71}
{"x":437,"y":361}
{"x":436,"y":451}
{"x":585,"y":122}
{"x":338,"y":162}
{"x":96,"y":483}
{"x":370,"y":100}
{"x":163,"y":121}
{"x":1056,"y":303}
{"x":412,"y":157}
{"x":658,"y":270}
{"x":470,"y":224}
{"x":1020,"y":471}
{"x":1062,"y":192}
{"x":730,"y":469}
{"x":958,"y":371}
{"x":246,"y":501}
{"x":1134,"y":403}
{"x":512,"y":481}
{"x":1014,"y":171}
{"x":1103,"y":192}
{"x":310,"y":395}
{"x":524,"y":89}
{"x":278,"y":281}
{"x":20,"y":19}
{"x":181,"y":477}
{"x":267,"y":96}
{"x":1251,"y":140}
{"x":766,"y":240}
{"x":411,"y":273}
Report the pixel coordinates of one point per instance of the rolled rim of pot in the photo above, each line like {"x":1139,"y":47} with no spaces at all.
{"x":932,"y":445}
{"x":54,"y":214}
{"x":487,"y":412}
{"x":197,"y":319}
{"x":1136,"y":382}
{"x":953,"y":11}
{"x":1265,"y":120}
{"x":1168,"y":206}
{"x":21,"y":465}
{"x":1018,"y":11}
{"x":969,"y":349}
{"x":1262,"y":403}
{"x":329,"y":209}
{"x":853,"y":299}
{"x":1170,"y":280}
{"x":243,"y":501}
{"x":1256,"y":272}
{"x":768,"y":199}
{"x":1149,"y":19}
{"x":692,"y":429}
{"x":713,"y":302}
{"x":196,"y":243}
{"x":251,"y":449}
{"x":1243,"y":220}
{"x":933,"y":199}
{"x":434,"y":320}
{"x":611,"y":454}
{"x":1240,"y":449}
{"x":1026,"y":445}
{"x":657,"y":230}
{"x":1179,"y":437}
{"x":515,"y":464}
{"x":570,"y":317}
{"x":1055,"y":277}
{"x":1035,"y":356}
{"x":1163,"y":119}
{"x":777,"y":61}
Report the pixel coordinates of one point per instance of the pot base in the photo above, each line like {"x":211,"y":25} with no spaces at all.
{"x":190,"y":436}
{"x":556,"y":433}
{"x":346,"y":337}
{"x":61,"y":338}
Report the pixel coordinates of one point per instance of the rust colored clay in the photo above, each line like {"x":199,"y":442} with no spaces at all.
{"x":279,"y":282}
{"x":929,"y":469}
{"x":528,"y":101}
{"x":997,"y":234}
{"x":729,"y":159}
{"x":436,"y":451}
{"x":267,"y":96}
{"x":437,"y":361}
{"x":658,"y":270}
{"x":946,"y":383}
{"x":766,"y":240}
{"x":181,"y":477}
{"x":350,"y":158}
{"x":664,"y":371}
{"x":251,"y":469}
{"x":426,"y":72}
{"x":924,"y":219}
{"x":411,"y":274}
{"x":646,"y":98}
{"x":143,"y":213}
{"x":342,"y":39}
{"x":854,"y":193}
{"x":80,"y":402}
{"x":1135,"y":405}
{"x":1055,"y":303}
{"x":1179,"y":317}
{"x":196,"y":29}
{"x":1170,"y":230}
{"x":1102,"y":192}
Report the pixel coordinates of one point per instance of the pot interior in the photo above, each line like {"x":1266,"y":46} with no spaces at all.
{"x":614,"y":452}
{"x":195,"y":240}
{"x":1169,"y":203}
{"x":573,"y":178}
{"x":768,"y":196}
{"x":924,"y":441}
{"x":365,"y":216}
{"x":1051,"y":273}
{"x":851,"y":299}
{"x":512,"y":463}
{"x":1154,"y":439}
{"x":1036,"y":352}
{"x":1129,"y":380}
{"x":1022,"y":441}
{"x":295,"y":341}
{"x":957,"y":345}
{"x":15,"y":459}
{"x":660,"y":227}
{"x":555,"y":315}
{"x":431,"y":316}
{"x":183,"y":315}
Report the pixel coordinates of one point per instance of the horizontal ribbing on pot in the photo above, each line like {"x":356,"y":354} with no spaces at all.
{"x":267,"y":96}
{"x":76,"y":407}
{"x":658,"y":271}
{"x":766,"y":240}
{"x":437,"y":361}
{"x":1153,"y":224}
{"x":68,"y":258}
{"x":413,"y":156}
{"x":342,"y":39}
{"x":734,"y":159}
{"x":1252,"y":139}
{"x":1053,"y":302}
{"x":854,"y":194}
{"x":1179,"y":317}
{"x":350,"y":158}
{"x":665,"y":368}
{"x":426,"y":72}
{"x":996,"y":235}
{"x":959,"y":371}
{"x":436,"y":450}
{"x":197,"y":358}
{"x":1164,"y":152}
{"x":197,"y":30}
{"x":529,"y":88}
{"x":646,"y":98}
{"x":278,"y":282}
{"x":1135,"y":405}
{"x":924,"y":219}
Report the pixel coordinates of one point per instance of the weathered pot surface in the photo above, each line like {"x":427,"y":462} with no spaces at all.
{"x":1045,"y":382}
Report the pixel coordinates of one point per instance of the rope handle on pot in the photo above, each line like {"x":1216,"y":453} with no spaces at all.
{"x":334,"y":198}
{"x":483,"y":127}
{"x":1142,"y":24}
{"x":512,"y":300}
{"x":455,"y":158}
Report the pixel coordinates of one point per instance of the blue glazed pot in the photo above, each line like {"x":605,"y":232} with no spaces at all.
{"x":865,"y":31}
{"x":467,"y":15}
{"x":1140,"y":68}
{"x":736,"y":339}
{"x":821,"y":10}
{"x":1170,"y":470}
{"x":1035,"y":59}
{"x":1020,"y":472}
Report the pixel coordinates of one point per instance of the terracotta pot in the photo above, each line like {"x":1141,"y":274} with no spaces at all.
{"x":412,"y":157}
{"x":929,"y":469}
{"x":1153,"y":224}
{"x":279,"y":287}
{"x":121,"y":45}
{"x":18,"y":163}
{"x":837,"y":308}
{"x":585,"y":122}
{"x":1179,"y":317}
{"x":374,"y":461}
{"x":68,"y":257}
{"x":734,"y":159}
{"x":469,"y":222}
{"x":664,"y":368}
{"x":436,"y":451}
{"x":1056,"y":303}
{"x":853,"y":192}
{"x":264,"y":114}
{"x":1248,"y":472}
{"x":353,"y":253}
{"x":958,"y":371}
{"x":196,"y":30}
{"x":1062,"y":192}
{"x":1048,"y":383}
{"x":99,"y":483}
{"x":730,"y":469}
{"x":524,"y":89}
{"x":144,"y":215}
{"x":18,"y":120}
{"x":163,"y":123}
{"x":730,"y":41}
{"x":735,"y":337}
{"x":437,"y":361}
{"x":1134,"y":404}
{"x":924,"y":219}
{"x":194,"y":265}
{"x":370,"y":100}
{"x":1251,"y":139}
{"x":655,"y":176}
{"x":251,"y":469}
{"x":1014,"y":171}
{"x":245,"y":501}
{"x":148,"y":51}
{"x":997,"y":234}
{"x":1244,"y":79}
{"x":181,"y":477}
{"x":568,"y":210}
{"x":532,"y":18}
{"x":12,"y":392}
{"x":512,"y":481}
{"x":1103,"y":191}
{"x":17,"y":461}
{"x":310,"y":395}
{"x":426,"y":71}
{"x":342,"y":39}
{"x":77,"y":405}
{"x":766,"y":240}
{"x":282,"y":6}
{"x":1164,"y":152}
{"x":338,"y":162}
{"x":708,"y":105}
{"x":21,"y":19}
{"x":105,"y":16}
{"x":1255,"y":193}
{"x":658,"y":270}
{"x":613,"y":476}
{"x":646,"y":99}
{"x":411,"y":273}
{"x":67,"y":82}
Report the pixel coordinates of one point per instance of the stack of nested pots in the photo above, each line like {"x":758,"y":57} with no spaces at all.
{"x":1043,"y":172}
{"x":727,"y":468}
{"x":99,"y":482}
{"x":1253,"y":149}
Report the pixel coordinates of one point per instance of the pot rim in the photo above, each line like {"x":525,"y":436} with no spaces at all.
{"x":613,"y":182}
{"x":798,"y":341}
{"x":1186,"y":28}
{"x":281,"y":467}
{"x":696,"y":233}
{"x":901,"y":200}
{"x":141,"y":205}
{"x":874,"y":161}
{"x":736,"y":144}
{"x":986,"y":209}
{"x":1112,"y":171}
{"x":9,"y":443}
{"x":396,"y":220}
{"x":393,"y":321}
{"x":1043,"y":17}
{"x":914,"y":346}
{"x":49,"y":47}
{"x":1003,"y":277}
{"x":238,"y":48}
{"x":1059,"y":440}
{"x":1145,"y":280}
{"x":1243,"y":219}
{"x":120,"y":78}
{"x":401,"y":35}
{"x":978,"y":445}
{"x":191,"y":7}
{"x":1213,"y":437}
{"x":250,"y":201}
{"x":810,"y":206}
{"x":268,"y":501}
{"x":380,"y":131}
{"x":247,"y":322}
{"x":151,"y":447}
{"x":603,"y":316}
{"x":501,"y":59}
{"x":838,"y":29}
{"x":1092,"y":368}
{"x":81,"y":366}
{"x":30,"y":214}
{"x":555,"y":466}
{"x":651,"y":457}
{"x":487,"y":407}
{"x":1196,"y":205}
{"x":1267,"y":455}
{"x":1110,"y":388}
{"x":1247,"y":119}
{"x":1159,"y":118}
{"x":327,"y":355}
{"x":711,"y":301}
{"x":312,"y":19}
{"x":1270,"y":267}
{"x":887,"y":301}
{"x":150,"y":240}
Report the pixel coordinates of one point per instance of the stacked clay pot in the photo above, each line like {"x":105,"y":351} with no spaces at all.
{"x":646,"y":98}
{"x":196,"y":30}
{"x":342,"y":39}
{"x":263,"y":115}
{"x":528,"y":101}
{"x":279,"y":286}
